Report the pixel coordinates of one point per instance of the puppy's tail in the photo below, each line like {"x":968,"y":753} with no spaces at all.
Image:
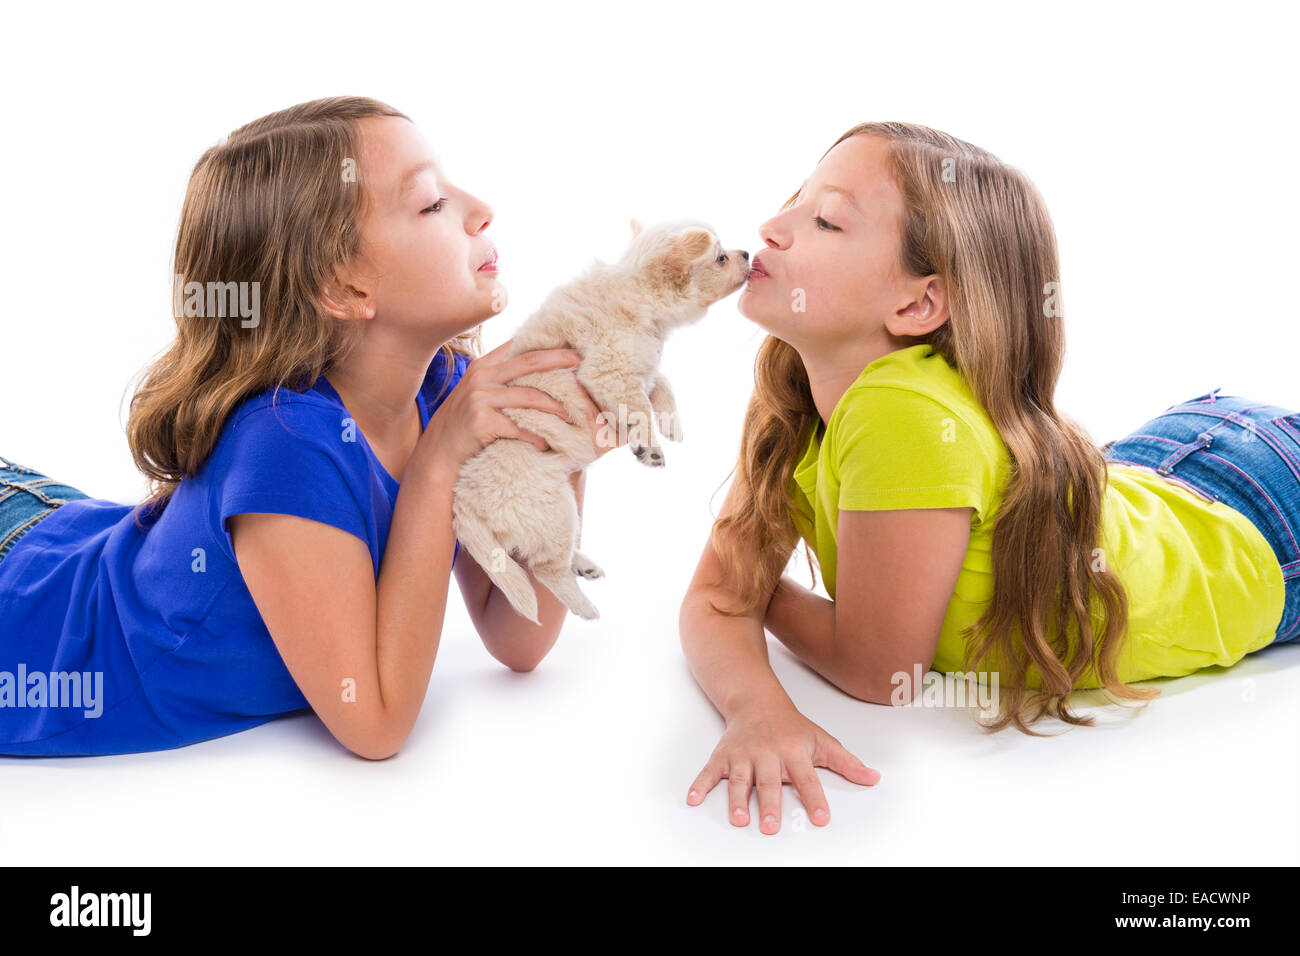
{"x":505,"y":572}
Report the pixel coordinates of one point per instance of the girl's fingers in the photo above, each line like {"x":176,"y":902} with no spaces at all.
{"x":739,"y":776}
{"x":835,"y":757}
{"x":490,"y":362}
{"x":525,"y":396}
{"x":708,"y":779}
{"x":514,"y":431}
{"x":767,"y":773}
{"x":809,"y":788}
{"x":536,"y":360}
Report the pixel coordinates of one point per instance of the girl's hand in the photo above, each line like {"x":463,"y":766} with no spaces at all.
{"x":769,"y":745}
{"x":470,"y":417}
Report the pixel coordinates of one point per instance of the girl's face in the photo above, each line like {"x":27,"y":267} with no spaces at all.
{"x":832,"y":258}
{"x":422,"y":240}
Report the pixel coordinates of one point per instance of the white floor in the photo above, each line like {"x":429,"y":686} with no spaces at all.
{"x":588,"y":760}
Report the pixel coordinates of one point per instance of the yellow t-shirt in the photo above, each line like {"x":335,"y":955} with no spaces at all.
{"x":1204,"y":586}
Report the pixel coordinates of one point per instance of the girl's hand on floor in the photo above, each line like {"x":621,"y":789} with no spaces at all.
{"x":470,"y":418}
{"x":765,"y":746}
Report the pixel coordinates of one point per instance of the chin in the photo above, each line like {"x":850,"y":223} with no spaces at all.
{"x":497,"y":299}
{"x":760,"y":313}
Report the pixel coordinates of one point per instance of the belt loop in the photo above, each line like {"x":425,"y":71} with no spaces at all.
{"x":1202,"y":440}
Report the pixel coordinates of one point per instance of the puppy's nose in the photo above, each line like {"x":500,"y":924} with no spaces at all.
{"x":744,"y":255}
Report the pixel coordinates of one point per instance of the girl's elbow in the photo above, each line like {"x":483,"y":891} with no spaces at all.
{"x":523,"y":664}
{"x":874,"y":686}
{"x":378,"y":741}
{"x":380,"y":754}
{"x":861,"y":687}
{"x":521,"y":652}
{"x":379,"y":749}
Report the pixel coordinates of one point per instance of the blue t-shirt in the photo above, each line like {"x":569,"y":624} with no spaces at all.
{"x":152,"y":614}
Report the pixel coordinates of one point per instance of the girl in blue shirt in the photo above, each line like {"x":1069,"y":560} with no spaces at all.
{"x":302,"y":436}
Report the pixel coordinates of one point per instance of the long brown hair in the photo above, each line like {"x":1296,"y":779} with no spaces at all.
{"x":276,"y":203}
{"x":983,"y":226}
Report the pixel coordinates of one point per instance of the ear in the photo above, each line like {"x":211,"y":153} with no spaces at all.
{"x":636,"y":226}
{"x":927,"y":311}
{"x":343,"y":300}
{"x":687,"y":247}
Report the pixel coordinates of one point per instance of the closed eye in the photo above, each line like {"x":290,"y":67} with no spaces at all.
{"x":823,"y":224}
{"x":436,"y":207}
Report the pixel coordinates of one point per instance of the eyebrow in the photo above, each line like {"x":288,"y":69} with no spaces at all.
{"x":831,"y":188}
{"x":408,"y":180}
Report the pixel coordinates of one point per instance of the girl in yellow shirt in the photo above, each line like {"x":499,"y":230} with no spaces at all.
{"x":903,"y":424}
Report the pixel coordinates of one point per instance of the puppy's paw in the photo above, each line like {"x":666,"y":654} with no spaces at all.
{"x":650,"y":456}
{"x":668,"y":422}
{"x":583,"y":566}
{"x":585,"y":610}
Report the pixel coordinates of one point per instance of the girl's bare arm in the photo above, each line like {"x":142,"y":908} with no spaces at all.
{"x":726,"y":655}
{"x":360,"y":650}
{"x":903,"y":566}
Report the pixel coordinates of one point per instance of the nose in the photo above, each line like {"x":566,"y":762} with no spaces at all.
{"x":744,"y":255}
{"x":480,"y":214}
{"x":769,"y":233}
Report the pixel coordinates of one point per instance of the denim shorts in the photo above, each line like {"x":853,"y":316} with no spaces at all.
{"x":27,"y":496}
{"x":1243,"y":453}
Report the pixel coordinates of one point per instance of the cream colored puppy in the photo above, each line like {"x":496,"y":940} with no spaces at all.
{"x":514,"y":503}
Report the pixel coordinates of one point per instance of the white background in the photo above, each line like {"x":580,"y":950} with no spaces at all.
{"x":1163,"y":138}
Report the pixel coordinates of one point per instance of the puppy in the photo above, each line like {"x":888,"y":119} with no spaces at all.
{"x":514,"y":503}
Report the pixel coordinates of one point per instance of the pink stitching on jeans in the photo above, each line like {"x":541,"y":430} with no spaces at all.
{"x":1282,"y":423}
{"x":1281,"y":452}
{"x":1232,"y":416}
{"x":1296,"y":625}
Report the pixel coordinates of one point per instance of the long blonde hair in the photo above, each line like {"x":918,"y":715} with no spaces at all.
{"x":276,"y":203}
{"x":983,"y":226}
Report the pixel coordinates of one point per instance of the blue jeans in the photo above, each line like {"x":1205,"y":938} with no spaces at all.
{"x":27,"y":496}
{"x":1243,"y":453}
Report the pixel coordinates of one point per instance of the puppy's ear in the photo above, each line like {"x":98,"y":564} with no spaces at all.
{"x":687,"y":247}
{"x":636,"y":226}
